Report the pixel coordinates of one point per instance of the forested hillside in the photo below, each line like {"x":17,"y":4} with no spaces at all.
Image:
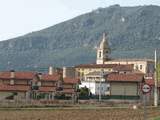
{"x":132,"y":32}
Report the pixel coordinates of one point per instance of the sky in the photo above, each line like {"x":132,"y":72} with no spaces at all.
{"x":19,"y":17}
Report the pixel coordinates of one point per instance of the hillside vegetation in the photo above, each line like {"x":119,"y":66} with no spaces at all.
{"x":132,"y":32}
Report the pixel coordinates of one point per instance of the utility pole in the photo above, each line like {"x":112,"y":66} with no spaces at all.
{"x":145,"y":109}
{"x":155,"y":81}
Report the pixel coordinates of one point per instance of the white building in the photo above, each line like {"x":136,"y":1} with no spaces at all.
{"x":143,"y":65}
{"x":96,"y":84}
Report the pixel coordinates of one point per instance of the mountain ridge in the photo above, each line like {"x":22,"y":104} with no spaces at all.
{"x":133,"y":32}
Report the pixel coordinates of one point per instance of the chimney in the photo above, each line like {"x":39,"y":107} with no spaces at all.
{"x":12,"y":76}
{"x":50,"y":71}
{"x":68,"y":72}
{"x":12,"y":73}
{"x":64,"y":72}
{"x":104,"y":35}
{"x":40,"y":75}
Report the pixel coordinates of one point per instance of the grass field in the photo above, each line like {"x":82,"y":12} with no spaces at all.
{"x":78,"y":114}
{"x":157,"y":118}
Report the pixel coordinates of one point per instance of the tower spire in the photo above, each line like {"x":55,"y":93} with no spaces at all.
{"x":103,"y":50}
{"x":104,"y":36}
{"x":104,"y":42}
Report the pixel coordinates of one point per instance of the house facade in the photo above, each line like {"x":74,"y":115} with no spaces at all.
{"x":32,"y":85}
{"x":96,"y":83}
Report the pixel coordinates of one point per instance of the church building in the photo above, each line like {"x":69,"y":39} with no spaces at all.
{"x":94,"y":76}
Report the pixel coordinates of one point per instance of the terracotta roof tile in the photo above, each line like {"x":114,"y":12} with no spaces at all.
{"x":24,"y":75}
{"x":67,"y":91}
{"x":47,"y":77}
{"x":136,"y":59}
{"x":18,"y":75}
{"x":96,"y":66}
{"x":29,"y":75}
{"x":68,"y":80}
{"x":47,"y":89}
{"x":123,"y":67}
{"x":21,"y":88}
{"x":117,"y":67}
{"x":125,"y":77}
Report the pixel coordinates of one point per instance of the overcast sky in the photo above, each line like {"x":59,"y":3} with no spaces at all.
{"x":19,"y":17}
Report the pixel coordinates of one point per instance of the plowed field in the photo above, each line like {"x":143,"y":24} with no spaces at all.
{"x":77,"y":114}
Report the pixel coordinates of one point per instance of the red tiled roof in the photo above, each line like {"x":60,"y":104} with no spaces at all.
{"x":5,"y":75}
{"x":68,"y":80}
{"x":123,"y":67}
{"x":21,"y":88}
{"x":125,"y":77}
{"x":96,"y":66}
{"x":29,"y":76}
{"x":117,"y":67}
{"x":54,"y":77}
{"x":24,"y":75}
{"x":68,"y":91}
{"x":47,"y":89}
{"x":18,"y":75}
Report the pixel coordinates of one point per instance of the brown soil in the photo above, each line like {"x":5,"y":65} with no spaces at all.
{"x":78,"y":114}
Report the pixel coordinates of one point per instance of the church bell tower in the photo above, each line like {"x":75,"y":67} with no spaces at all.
{"x":103,"y":50}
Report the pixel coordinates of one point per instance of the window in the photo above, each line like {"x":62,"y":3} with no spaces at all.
{"x":108,"y":88}
{"x":141,"y":67}
{"x":78,"y":74}
{"x":136,"y":67}
{"x":29,"y":82}
{"x":35,"y":87}
{"x":109,"y":69}
{"x":39,"y":83}
{"x":100,"y":54}
{"x":82,"y":74}
{"x":11,"y":82}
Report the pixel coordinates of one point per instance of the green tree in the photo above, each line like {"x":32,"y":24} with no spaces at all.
{"x":84,"y":91}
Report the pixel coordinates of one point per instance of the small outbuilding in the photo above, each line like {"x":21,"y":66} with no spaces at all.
{"x":128,"y":84}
